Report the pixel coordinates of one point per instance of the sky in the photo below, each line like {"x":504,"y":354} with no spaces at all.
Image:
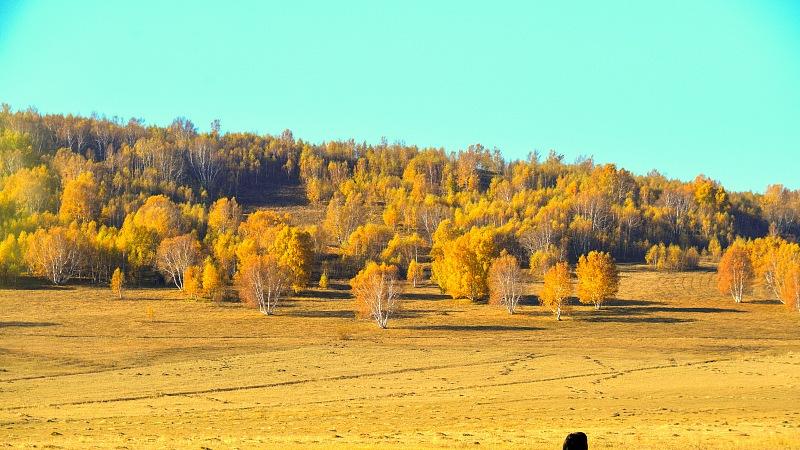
{"x":681,"y":86}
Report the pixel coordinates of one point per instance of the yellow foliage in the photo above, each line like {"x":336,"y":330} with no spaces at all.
{"x":415,"y":273}
{"x":505,"y":282}
{"x":213,"y":283}
{"x":159,"y":215}
{"x":192,"y":286}
{"x":376,"y":291}
{"x":598,"y":278}
{"x":323,"y":280}
{"x":542,"y":260}
{"x":117,"y":283}
{"x":557,"y":289}
{"x":79,"y":201}
{"x":460,"y":266}
{"x":735,"y":271}
{"x":11,"y":262}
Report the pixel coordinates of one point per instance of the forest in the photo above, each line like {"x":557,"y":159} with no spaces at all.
{"x":117,"y":202}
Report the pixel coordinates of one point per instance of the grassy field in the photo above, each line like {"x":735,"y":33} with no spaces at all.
{"x":672,"y":364}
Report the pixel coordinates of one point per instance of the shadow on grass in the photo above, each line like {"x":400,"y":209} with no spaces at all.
{"x":28,"y":324}
{"x":617,"y":302}
{"x":324,"y":295}
{"x":314,"y":314}
{"x":765,"y":302}
{"x":423,"y":296}
{"x":680,"y":309}
{"x":618,"y":319}
{"x":33,"y":284}
{"x":471,"y":328}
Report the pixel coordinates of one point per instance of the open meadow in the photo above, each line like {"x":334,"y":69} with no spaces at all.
{"x":671,"y":364}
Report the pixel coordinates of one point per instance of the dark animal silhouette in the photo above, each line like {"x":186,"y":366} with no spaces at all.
{"x":576,"y":441}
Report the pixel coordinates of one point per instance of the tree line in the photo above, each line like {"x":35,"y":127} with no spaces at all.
{"x":105,"y":199}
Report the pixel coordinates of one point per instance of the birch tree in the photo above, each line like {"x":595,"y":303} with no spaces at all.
{"x":598,"y":278}
{"x":377,"y":292}
{"x":261,"y":282}
{"x":557,"y":289}
{"x":505,"y":282}
{"x":175,"y":255}
{"x":735,"y":274}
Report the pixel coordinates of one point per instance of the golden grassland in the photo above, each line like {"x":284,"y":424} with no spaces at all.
{"x":672,"y":364}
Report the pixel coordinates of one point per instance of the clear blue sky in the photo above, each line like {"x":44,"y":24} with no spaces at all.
{"x":687,"y":87}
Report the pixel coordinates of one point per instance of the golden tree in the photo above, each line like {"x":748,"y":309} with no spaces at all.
{"x":505,"y":282}
{"x":735,"y":274}
{"x":790,"y":292}
{"x":377,"y":292}
{"x":415,"y":273}
{"x":224,"y":216}
{"x":598,"y":278}
{"x":460,"y":266}
{"x":57,"y":254}
{"x":192,"y":286}
{"x":213,"y":283}
{"x":79,"y":201}
{"x":160,"y":215}
{"x":175,"y":255}
{"x":323,"y":280}
{"x":542,"y":260}
{"x":262,"y":281}
{"x":557,"y":289}
{"x":118,"y":283}
{"x":714,"y":249}
{"x":10,"y":258}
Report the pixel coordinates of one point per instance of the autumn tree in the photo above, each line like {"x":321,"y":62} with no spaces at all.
{"x":505,"y":282}
{"x":79,"y":201}
{"x":543,"y":259}
{"x":117,"y":283}
{"x":323,"y":280}
{"x":735,"y":271}
{"x":598,"y":278}
{"x":11,"y":262}
{"x":261,"y":281}
{"x":557,"y":289}
{"x":213,"y":283}
{"x":461,"y":265}
{"x":57,"y":254}
{"x":790,"y":292}
{"x":415,"y":273}
{"x":175,"y":255}
{"x":377,"y":292}
{"x":224,"y":216}
{"x":192,"y":282}
{"x":160,"y":215}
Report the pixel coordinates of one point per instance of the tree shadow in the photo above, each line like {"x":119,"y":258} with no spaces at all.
{"x":423,"y":296}
{"x":18,"y":324}
{"x":617,"y":319}
{"x":614,"y":302}
{"x":471,"y":328}
{"x":33,"y":284}
{"x":530,"y":300}
{"x":681,"y":309}
{"x":324,"y":295}
{"x":765,"y":302}
{"x":317,"y":314}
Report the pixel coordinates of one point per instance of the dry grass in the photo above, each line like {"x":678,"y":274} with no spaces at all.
{"x":672,"y":365}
